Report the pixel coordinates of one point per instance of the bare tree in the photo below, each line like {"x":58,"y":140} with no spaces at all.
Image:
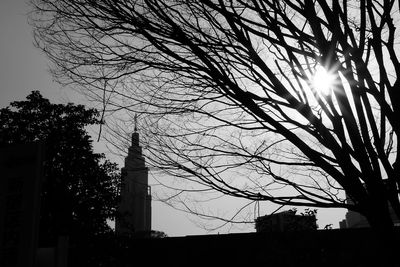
{"x":293,"y":102}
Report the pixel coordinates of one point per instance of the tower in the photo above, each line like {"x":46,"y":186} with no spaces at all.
{"x":134,"y":211}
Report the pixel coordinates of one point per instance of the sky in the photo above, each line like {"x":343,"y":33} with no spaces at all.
{"x":24,"y":68}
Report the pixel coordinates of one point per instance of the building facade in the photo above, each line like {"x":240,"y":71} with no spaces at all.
{"x":134,"y":211}
{"x":285,"y":221}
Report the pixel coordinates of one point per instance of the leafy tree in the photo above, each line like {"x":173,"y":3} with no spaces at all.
{"x":79,"y":190}
{"x":233,"y":94}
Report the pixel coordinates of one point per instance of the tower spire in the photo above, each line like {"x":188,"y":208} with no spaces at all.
{"x":135,"y":123}
{"x":134,"y":210}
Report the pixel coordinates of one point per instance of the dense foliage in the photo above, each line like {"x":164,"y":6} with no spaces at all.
{"x":79,"y":192}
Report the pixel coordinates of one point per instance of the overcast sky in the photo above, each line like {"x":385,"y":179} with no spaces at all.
{"x":23,"y":68}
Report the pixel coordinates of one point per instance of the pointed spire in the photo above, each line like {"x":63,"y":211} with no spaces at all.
{"x":135,"y":123}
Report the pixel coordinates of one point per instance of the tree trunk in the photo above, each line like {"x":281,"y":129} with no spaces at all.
{"x":379,"y":218}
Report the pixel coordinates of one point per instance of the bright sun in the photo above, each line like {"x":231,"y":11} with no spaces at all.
{"x":323,"y":81}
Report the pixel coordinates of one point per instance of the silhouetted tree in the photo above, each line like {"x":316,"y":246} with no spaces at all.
{"x":232,"y":95}
{"x":80,"y":188}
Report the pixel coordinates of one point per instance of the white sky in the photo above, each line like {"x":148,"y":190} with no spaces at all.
{"x":23,"y":68}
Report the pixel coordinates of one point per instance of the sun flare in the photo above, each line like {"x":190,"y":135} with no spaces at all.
{"x":323,"y":81}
